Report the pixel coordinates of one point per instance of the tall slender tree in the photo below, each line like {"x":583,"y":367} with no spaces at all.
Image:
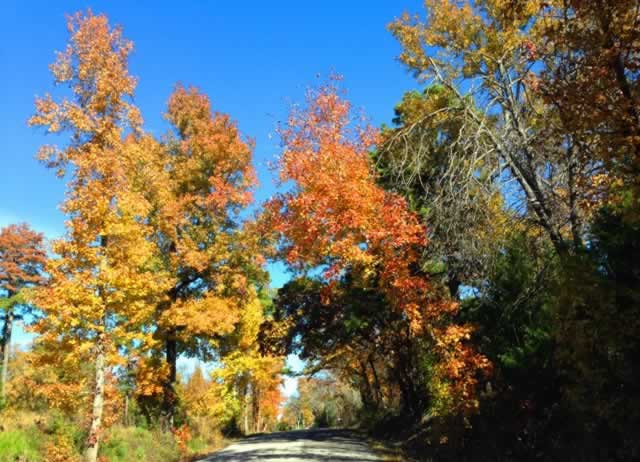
{"x":101,"y":288}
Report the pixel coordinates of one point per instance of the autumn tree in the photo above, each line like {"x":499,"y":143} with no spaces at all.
{"x":428,"y":157}
{"x":484,"y":55}
{"x":22,"y":257}
{"x":355,"y":337}
{"x":545,"y":96}
{"x":249,"y":374}
{"x":207,"y":405}
{"x":333,"y":402}
{"x":296,"y":414}
{"x":198,"y":181}
{"x":103,"y":286}
{"x":336,"y":218}
{"x":590,"y":52}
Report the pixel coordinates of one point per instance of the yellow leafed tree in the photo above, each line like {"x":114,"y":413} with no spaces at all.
{"x":197,"y":182}
{"x":102,"y":288}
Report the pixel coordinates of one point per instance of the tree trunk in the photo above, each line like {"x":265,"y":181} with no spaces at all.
{"x":376,"y":383}
{"x":256,"y":409}
{"x":246,"y":416}
{"x":125,"y":415}
{"x":6,"y":351}
{"x":169,"y":400}
{"x":453,"y":283}
{"x":365,"y":388}
{"x":93,"y":440}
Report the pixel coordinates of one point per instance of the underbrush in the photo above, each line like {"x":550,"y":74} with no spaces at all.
{"x":31,"y":437}
{"x":126,"y":444}
{"x":495,"y":435}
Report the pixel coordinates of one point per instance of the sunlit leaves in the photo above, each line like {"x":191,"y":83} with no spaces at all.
{"x":337,"y":218}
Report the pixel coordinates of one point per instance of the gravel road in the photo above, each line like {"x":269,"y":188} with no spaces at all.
{"x":298,"y":446}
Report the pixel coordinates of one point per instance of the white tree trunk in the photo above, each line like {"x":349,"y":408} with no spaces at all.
{"x":93,"y":441}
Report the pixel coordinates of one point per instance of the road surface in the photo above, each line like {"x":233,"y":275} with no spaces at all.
{"x":298,"y":446}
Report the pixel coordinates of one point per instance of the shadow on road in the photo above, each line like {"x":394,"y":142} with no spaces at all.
{"x":303,"y":445}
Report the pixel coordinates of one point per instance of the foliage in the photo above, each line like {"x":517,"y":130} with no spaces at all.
{"x":322,"y":400}
{"x":252,"y":379}
{"x":597,"y":308}
{"x":355,"y":335}
{"x":590,"y":54}
{"x":484,"y":54}
{"x":21,"y":258}
{"x":505,"y":83}
{"x":198,"y":182}
{"x":426,"y":156}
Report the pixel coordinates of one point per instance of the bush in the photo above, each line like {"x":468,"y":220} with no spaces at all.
{"x":198,"y":445}
{"x":125,"y":444}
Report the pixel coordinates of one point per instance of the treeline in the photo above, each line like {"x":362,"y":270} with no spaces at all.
{"x":323,"y":401}
{"x":506,"y":327}
{"x":466,"y":277}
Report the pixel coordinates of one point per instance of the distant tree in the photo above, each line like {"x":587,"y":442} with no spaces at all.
{"x":22,"y":257}
{"x":253,"y":377}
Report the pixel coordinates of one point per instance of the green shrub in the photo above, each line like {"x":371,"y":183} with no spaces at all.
{"x":198,"y":445}
{"x":126,"y":444}
{"x":62,"y":427}
{"x":23,"y":445}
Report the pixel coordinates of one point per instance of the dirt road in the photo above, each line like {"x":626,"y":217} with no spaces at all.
{"x":298,"y":446}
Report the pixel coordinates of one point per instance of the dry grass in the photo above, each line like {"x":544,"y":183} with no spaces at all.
{"x":11,"y":419}
{"x":388,"y":452}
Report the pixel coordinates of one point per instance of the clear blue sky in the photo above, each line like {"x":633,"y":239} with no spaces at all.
{"x":253,"y":58}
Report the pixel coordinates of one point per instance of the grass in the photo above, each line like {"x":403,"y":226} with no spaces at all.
{"x":22,"y":445}
{"x":31,"y":437}
{"x":198,"y":445}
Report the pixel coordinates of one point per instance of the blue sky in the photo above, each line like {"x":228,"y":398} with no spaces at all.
{"x":254,"y":59}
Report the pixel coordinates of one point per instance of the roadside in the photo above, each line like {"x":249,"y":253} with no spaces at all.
{"x":388,"y":451}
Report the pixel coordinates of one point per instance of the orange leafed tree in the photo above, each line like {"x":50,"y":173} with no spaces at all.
{"x":102,"y":288}
{"x":336,"y":217}
{"x":199,"y":181}
{"x":22,"y":257}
